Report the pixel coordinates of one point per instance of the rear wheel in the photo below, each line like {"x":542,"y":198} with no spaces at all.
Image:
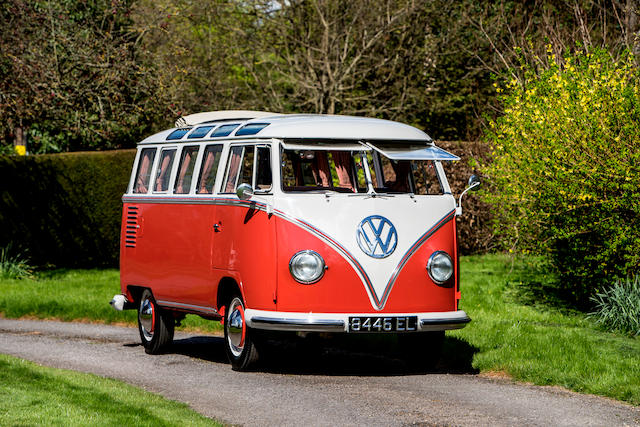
{"x":421,"y":350}
{"x":239,"y":345}
{"x":154,"y":324}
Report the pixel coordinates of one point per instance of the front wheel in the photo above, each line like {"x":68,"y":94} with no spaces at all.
{"x":155,"y":325}
{"x":239,"y":346}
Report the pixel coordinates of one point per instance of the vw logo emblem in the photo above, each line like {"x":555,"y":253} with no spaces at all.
{"x":376,"y":236}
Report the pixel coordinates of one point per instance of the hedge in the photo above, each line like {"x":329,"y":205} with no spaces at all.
{"x":64,"y":210}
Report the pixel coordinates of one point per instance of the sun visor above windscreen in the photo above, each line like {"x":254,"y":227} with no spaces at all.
{"x":332,"y":146}
{"x":399,"y":151}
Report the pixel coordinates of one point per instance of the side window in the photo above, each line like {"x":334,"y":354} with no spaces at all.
{"x":245,"y":168}
{"x":263,"y":169}
{"x":235,"y":157}
{"x":185,"y":169}
{"x":163,"y":175}
{"x":141,"y":184}
{"x":210,"y":161}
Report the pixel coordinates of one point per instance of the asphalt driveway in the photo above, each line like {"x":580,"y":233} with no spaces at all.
{"x":317,"y":386}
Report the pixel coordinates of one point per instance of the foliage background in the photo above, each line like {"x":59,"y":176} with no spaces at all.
{"x":565,"y":167}
{"x":101,"y":74}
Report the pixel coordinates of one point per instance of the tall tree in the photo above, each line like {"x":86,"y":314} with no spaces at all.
{"x":70,"y":76}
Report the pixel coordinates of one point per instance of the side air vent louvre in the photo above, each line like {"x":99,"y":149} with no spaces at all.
{"x":131,"y":227}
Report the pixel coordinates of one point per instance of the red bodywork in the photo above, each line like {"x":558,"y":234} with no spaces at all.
{"x":183,"y":248}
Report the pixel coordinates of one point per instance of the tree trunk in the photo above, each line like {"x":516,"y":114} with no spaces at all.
{"x":632,"y":31}
{"x":20,"y":140}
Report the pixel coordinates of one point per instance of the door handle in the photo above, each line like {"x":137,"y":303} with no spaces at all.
{"x":217,"y":228}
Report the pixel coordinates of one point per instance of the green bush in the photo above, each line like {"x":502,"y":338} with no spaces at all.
{"x":566,"y":166}
{"x":618,"y":308}
{"x":64,"y":209}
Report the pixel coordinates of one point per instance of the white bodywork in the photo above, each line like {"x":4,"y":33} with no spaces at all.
{"x":339,"y":215}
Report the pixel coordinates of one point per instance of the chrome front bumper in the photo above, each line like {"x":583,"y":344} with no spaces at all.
{"x":338,"y":322}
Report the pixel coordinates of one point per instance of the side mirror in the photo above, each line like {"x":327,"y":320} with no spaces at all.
{"x":474,"y":182}
{"x":244,"y":192}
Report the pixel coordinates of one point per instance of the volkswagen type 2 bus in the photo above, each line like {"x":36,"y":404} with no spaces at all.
{"x":305,"y":223}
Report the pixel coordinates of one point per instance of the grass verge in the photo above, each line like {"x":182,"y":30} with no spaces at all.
{"x":79,"y":295}
{"x":35,"y":395}
{"x":510,"y":332}
{"x":539,"y":343}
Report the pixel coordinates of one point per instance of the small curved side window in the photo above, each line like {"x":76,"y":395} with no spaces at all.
{"x":141,"y":184}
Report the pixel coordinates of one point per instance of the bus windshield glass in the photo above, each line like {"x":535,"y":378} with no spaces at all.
{"x":350,"y":172}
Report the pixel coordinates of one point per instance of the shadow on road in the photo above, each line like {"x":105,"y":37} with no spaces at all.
{"x":339,"y":356}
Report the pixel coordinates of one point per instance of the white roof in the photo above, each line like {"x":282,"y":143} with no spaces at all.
{"x":316,"y":126}
{"x":304,"y":126}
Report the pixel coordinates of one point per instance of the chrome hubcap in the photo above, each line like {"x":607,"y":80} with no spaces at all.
{"x":236,"y":327}
{"x":145,"y":315}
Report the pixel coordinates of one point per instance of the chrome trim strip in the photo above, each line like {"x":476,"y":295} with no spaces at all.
{"x":282,"y":324}
{"x":440,"y":321}
{"x":337,"y":322}
{"x":205,"y":199}
{"x":183,"y":306}
{"x":444,"y":324}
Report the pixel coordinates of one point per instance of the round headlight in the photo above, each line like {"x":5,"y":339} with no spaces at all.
{"x":440,"y":267}
{"x":307,"y":267}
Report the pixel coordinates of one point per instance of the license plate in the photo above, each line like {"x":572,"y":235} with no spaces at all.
{"x":383,"y":324}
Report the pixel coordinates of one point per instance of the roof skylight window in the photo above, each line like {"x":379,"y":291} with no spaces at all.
{"x":178,"y":133}
{"x":200,"y":132}
{"x":251,"y":129}
{"x":224,"y":130}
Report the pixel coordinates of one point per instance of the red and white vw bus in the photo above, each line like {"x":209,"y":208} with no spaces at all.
{"x":276,"y":222}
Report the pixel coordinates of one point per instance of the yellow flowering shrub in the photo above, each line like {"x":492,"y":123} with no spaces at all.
{"x":565,"y":168}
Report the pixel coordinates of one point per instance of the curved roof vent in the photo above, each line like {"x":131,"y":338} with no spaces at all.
{"x":215,"y":116}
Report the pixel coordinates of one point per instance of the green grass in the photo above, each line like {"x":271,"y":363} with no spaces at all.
{"x":516,"y":329}
{"x":541,"y":344}
{"x":35,"y":395}
{"x":80,"y":295}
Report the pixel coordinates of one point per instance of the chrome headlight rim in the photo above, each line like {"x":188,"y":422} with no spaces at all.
{"x":314,"y":254}
{"x":430,"y":263}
